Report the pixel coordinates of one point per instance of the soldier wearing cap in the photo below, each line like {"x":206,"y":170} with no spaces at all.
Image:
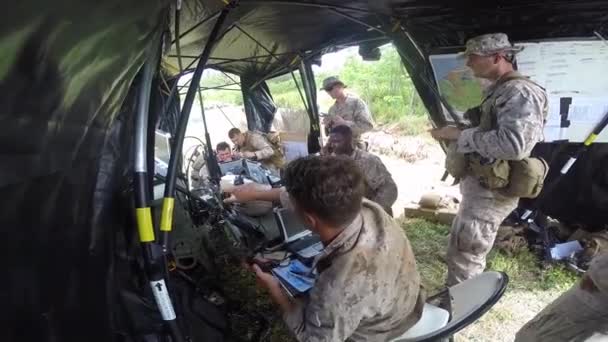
{"x":348,"y":110}
{"x":509,"y":124}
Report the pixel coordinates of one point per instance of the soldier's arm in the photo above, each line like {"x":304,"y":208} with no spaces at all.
{"x":335,"y":306}
{"x":520,"y":123}
{"x":382,"y":183}
{"x":262,"y":148}
{"x":362,"y":119}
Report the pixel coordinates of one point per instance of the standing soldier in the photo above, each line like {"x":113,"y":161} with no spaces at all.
{"x":257,"y":147}
{"x":348,"y":110}
{"x":508,"y":124}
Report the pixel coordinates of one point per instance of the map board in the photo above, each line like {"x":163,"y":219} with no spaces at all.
{"x":574,"y":73}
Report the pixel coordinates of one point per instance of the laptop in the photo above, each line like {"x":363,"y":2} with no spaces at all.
{"x":297,"y":238}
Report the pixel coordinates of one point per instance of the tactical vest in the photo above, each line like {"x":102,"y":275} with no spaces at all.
{"x":513,"y":178}
{"x":274,"y":139}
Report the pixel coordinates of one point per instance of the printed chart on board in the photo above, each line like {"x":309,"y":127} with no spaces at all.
{"x":572,"y":72}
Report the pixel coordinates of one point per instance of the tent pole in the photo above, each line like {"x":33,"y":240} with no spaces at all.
{"x":309,"y":4}
{"x":215,"y":174}
{"x":355,"y":20}
{"x":214,"y":15}
{"x":142,"y":209}
{"x":178,"y":141}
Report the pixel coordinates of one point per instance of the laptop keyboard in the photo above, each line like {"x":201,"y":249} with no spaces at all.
{"x":311,"y":251}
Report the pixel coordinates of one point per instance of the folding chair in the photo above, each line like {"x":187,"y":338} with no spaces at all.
{"x":470,"y":300}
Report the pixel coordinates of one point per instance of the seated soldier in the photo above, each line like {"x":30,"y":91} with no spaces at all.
{"x":255,"y":146}
{"x":199,"y":173}
{"x":367,"y":287}
{"x":223,"y":152}
{"x":381,"y":187}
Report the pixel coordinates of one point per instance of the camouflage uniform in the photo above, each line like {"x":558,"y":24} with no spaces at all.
{"x":356,"y":114}
{"x":356,"y":297}
{"x":520,"y":108}
{"x":198,"y":172}
{"x":577,"y":314}
{"x":257,"y":143}
{"x":381,"y":187}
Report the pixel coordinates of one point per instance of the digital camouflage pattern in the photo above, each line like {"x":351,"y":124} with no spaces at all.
{"x":266,"y":155}
{"x":356,"y":114}
{"x":357,"y":296}
{"x":381,"y":187}
{"x":520,"y":108}
{"x":198,"y":172}
{"x":577,"y":314}
{"x":489,"y":44}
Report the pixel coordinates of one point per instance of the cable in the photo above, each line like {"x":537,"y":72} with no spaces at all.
{"x":169,"y":200}
{"x":142,"y":209}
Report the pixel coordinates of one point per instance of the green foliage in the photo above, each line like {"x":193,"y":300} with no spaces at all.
{"x":429,"y":242}
{"x":285,"y":92}
{"x":216,"y":79}
{"x":384,"y":85}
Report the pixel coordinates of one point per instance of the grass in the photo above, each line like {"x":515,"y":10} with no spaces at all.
{"x":530,"y":288}
{"x":429,"y":241}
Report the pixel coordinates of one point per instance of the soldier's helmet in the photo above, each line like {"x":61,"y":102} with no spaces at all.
{"x":489,"y":44}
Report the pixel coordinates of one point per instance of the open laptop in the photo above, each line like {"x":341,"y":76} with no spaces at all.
{"x":296,"y":237}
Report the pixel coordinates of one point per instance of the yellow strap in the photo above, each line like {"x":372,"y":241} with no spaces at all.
{"x":590,"y":139}
{"x":226,"y":2}
{"x":166,"y":218}
{"x":144,"y":224}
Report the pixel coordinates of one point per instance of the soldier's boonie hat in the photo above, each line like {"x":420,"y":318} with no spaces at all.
{"x":489,"y":44}
{"x":330,"y":82}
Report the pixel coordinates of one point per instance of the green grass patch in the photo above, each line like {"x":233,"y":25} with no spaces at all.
{"x":429,"y":242}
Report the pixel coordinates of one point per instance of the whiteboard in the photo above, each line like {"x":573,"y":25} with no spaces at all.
{"x":566,"y":69}
{"x":570,"y":69}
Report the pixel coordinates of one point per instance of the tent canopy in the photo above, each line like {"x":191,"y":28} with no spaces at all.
{"x":68,"y":79}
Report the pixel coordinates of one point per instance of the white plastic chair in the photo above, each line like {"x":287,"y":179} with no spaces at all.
{"x":470,"y":300}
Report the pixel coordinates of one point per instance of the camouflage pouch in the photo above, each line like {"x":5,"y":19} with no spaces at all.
{"x":473,"y":115}
{"x":492,"y":174}
{"x":455,"y":162}
{"x":526,"y":178}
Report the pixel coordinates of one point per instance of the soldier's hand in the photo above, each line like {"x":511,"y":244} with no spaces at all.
{"x":446,"y":133}
{"x":339,"y":121}
{"x":326,"y":120}
{"x":264,"y":279}
{"x":242,"y":194}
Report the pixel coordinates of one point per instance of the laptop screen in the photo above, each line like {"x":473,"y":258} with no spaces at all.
{"x":162,"y":146}
{"x":290,"y":226}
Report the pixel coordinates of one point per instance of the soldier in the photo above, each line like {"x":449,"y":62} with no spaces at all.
{"x":578,"y":314}
{"x":513,"y":114}
{"x":355,"y":296}
{"x":348,"y":109}
{"x":199,"y":174}
{"x":255,"y":146}
{"x":380,"y":186}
